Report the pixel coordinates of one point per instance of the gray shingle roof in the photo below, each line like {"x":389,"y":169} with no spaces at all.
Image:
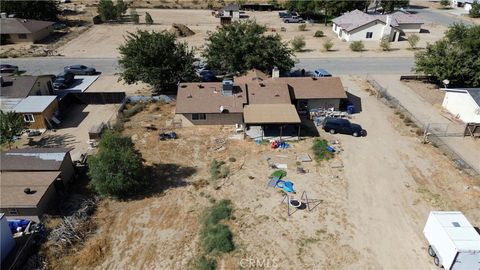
{"x":17,"y":86}
{"x":475,"y":93}
{"x":22,"y":26}
{"x":34,"y":104}
{"x":33,"y":159}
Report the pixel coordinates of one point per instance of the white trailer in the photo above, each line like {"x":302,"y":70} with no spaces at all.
{"x":453,"y":241}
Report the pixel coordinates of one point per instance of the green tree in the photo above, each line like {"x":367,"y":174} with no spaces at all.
{"x":389,"y":6}
{"x":157,"y":59}
{"x":455,"y":57}
{"x":413,"y":40}
{"x":106,"y":10}
{"x":475,"y":11}
{"x":327,"y":45}
{"x":11,"y":124}
{"x":148,"y":18}
{"x":444,"y":3}
{"x":120,"y":10}
{"x":134,"y":17}
{"x":357,"y":46}
{"x":31,"y":9}
{"x":385,"y":44}
{"x":241,"y":46}
{"x":117,"y":169}
{"x":298,"y":43}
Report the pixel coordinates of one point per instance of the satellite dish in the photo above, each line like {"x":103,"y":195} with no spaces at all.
{"x":446,"y":82}
{"x":221,"y":109}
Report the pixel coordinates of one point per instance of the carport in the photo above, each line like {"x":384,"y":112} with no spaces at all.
{"x":271,"y":121}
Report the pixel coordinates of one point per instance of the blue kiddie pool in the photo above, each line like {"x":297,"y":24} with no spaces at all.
{"x":287,"y":186}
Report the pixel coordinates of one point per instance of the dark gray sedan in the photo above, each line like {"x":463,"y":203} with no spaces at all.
{"x":80,"y":70}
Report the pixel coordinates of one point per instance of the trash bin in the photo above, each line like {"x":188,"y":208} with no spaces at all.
{"x":350,"y":109}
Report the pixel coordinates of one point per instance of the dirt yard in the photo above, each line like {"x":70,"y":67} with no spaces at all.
{"x":110,"y":83}
{"x":373,"y":199}
{"x":429,"y":92}
{"x":107,"y":38}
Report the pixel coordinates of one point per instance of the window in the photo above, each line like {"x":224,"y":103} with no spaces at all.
{"x":12,"y":211}
{"x":199,"y":116}
{"x":28,"y":118}
{"x":369,"y":34}
{"x":22,"y":36}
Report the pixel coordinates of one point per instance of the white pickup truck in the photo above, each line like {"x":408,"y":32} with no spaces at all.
{"x":453,"y":241}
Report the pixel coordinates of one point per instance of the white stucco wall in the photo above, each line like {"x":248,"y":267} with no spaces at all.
{"x":377,"y":28}
{"x":462,"y":105}
{"x":467,"y":6}
{"x":411,"y":27}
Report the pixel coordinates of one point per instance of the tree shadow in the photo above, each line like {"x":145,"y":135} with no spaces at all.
{"x":165,"y":176}
{"x":424,"y":31}
{"x":74,"y":116}
{"x":52,"y":140}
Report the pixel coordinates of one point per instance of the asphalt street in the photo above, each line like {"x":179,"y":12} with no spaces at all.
{"x":109,"y":66}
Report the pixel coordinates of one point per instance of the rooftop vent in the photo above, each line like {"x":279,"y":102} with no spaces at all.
{"x":456,"y":224}
{"x":262,"y":85}
{"x":189,"y":96}
{"x":227,"y":87}
{"x":277,"y":95}
{"x":200,"y":86}
{"x":28,"y":191}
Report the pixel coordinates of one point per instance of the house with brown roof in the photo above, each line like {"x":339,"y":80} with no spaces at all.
{"x":16,"y":30}
{"x":24,"y":86}
{"x":256,"y":99}
{"x":357,"y":25}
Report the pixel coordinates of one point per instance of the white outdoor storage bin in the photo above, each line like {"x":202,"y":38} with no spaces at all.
{"x":454,"y":242}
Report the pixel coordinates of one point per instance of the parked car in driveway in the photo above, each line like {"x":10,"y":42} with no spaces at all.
{"x":293,"y":19}
{"x":343,"y":126}
{"x":80,"y":70}
{"x":63,"y":80}
{"x":320,"y":72}
{"x":6,"y":68}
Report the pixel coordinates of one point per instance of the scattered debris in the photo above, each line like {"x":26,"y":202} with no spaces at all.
{"x":304,"y":158}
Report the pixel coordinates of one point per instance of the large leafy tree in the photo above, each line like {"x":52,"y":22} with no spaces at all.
{"x":156,"y":58}
{"x":117,"y":169}
{"x":31,"y":9}
{"x":107,"y":10}
{"x":455,"y":57}
{"x":390,"y":5}
{"x":11,"y":124}
{"x":240,"y":46}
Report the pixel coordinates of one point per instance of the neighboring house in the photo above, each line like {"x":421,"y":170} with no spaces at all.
{"x":24,"y":86}
{"x":466,"y":4}
{"x":210,"y":103}
{"x":7,"y":241}
{"x":16,"y":30}
{"x":28,"y":194}
{"x":463,"y":103}
{"x":38,"y":111}
{"x":39,"y":159}
{"x":230,"y":11}
{"x":357,"y":25}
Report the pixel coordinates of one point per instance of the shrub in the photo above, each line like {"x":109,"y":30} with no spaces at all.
{"x":319,"y":150}
{"x":134,"y":110}
{"x":357,"y":46}
{"x":218,"y":212}
{"x":475,"y":10}
{"x":215,"y":169}
{"x":444,"y":3}
{"x":298,"y":43}
{"x":232,"y":159}
{"x":216,"y":238}
{"x":203,"y":263}
{"x":134,"y":16}
{"x":302,"y":27}
{"x":413,"y":40}
{"x":318,"y":33}
{"x":278,"y":174}
{"x":224,"y":171}
{"x":327,"y":45}
{"x":385,"y":44}
{"x":148,"y":18}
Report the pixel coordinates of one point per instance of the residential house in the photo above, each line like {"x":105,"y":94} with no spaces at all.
{"x":38,"y":111}
{"x":24,"y":86}
{"x":466,"y":4}
{"x":357,"y":25}
{"x":28,"y":194}
{"x":231,"y":11}
{"x":463,"y":103}
{"x":16,"y":30}
{"x":39,"y":160}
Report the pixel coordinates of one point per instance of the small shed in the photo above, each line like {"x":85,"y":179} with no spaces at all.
{"x":275,"y":120}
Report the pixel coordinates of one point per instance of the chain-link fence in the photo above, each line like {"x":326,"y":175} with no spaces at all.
{"x":433,"y":133}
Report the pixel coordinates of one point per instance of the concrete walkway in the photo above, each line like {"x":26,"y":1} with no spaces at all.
{"x":467,"y":148}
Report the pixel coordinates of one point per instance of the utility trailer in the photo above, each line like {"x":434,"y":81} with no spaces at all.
{"x":454,"y":243}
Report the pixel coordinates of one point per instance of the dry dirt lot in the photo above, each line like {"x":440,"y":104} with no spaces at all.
{"x":103,"y":40}
{"x":110,"y":83}
{"x":73,"y":131}
{"x":370,"y":215}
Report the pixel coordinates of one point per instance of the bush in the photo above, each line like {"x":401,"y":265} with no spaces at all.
{"x":148,"y":18}
{"x":133,"y":110}
{"x":232,"y":159}
{"x":134,"y":16}
{"x":385,"y":44}
{"x":302,"y":27}
{"x":327,"y":45}
{"x":298,"y":43}
{"x":318,"y":33}
{"x":216,"y":238}
{"x":413,"y":39}
{"x":357,"y":46}
{"x":203,"y":263}
{"x":224,"y":171}
{"x":319,"y":150}
{"x":475,"y":11}
{"x":218,"y":212}
{"x":278,"y":174}
{"x":215,"y":169}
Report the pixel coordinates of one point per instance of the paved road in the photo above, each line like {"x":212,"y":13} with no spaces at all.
{"x":109,"y":66}
{"x":438,"y":16}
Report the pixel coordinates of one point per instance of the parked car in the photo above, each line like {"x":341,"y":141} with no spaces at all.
{"x":168,"y":136}
{"x":321,"y":73}
{"x":287,"y":14}
{"x":207,"y":76}
{"x":80,"y":70}
{"x":293,"y":19}
{"x":343,"y":126}
{"x":6,"y":68}
{"x":63,"y":80}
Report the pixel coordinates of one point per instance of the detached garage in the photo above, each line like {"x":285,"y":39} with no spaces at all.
{"x":463,"y":103}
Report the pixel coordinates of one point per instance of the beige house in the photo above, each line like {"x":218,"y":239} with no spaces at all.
{"x":16,"y":30}
{"x":357,"y":25}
